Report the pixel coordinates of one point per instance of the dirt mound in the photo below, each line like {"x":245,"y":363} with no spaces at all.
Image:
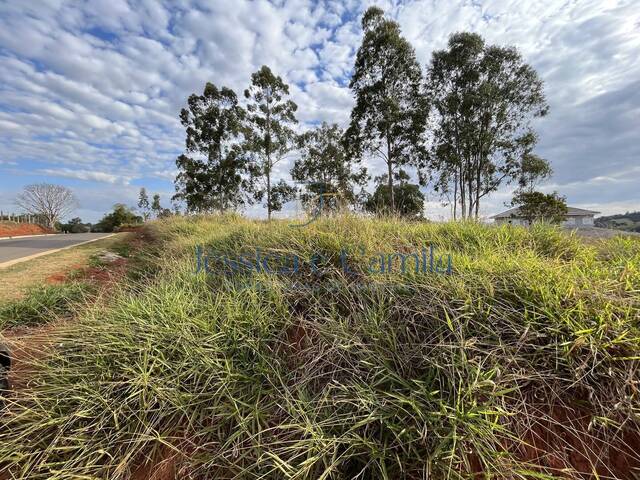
{"x":13,"y":229}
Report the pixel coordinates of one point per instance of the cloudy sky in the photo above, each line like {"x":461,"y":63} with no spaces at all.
{"x":90,"y":91}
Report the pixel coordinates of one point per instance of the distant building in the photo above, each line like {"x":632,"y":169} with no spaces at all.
{"x":576,"y":217}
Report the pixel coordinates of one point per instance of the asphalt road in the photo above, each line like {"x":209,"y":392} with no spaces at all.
{"x":15,"y":248}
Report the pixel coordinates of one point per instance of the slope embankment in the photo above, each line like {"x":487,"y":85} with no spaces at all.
{"x":14,"y":229}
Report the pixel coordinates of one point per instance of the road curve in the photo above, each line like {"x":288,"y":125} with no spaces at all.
{"x":19,"y":248}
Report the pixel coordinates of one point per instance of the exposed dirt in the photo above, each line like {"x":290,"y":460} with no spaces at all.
{"x":32,"y":343}
{"x":13,"y":229}
{"x":27,"y":346}
{"x":163,"y":466}
{"x":564,"y":441}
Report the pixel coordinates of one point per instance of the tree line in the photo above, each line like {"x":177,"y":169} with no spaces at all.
{"x":463,"y":125}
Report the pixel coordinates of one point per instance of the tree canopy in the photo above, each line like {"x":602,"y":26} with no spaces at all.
{"x":120,"y":215}
{"x":326,"y":169}
{"x":268,"y":136}
{"x":143,"y":203}
{"x":484,"y":99}
{"x":388,"y":118}
{"x":212,"y":178}
{"x":409,"y":200}
{"x":51,"y":202}
{"x":465,"y":126}
{"x":540,"y":207}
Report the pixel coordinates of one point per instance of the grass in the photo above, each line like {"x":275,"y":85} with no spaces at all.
{"x":324,"y":375}
{"x":43,"y":304}
{"x":16,"y":281}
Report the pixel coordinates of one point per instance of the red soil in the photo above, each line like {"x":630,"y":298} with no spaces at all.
{"x":163,"y":467}
{"x":12,"y":229}
{"x":563,"y":441}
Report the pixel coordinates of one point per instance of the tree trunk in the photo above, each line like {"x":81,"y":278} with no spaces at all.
{"x":268,"y":152}
{"x":470,"y":191}
{"x":463,"y":193}
{"x":390,"y":180}
{"x":455,"y":195}
{"x":268,"y":188}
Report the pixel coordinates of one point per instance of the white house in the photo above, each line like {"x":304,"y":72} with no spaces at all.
{"x":576,"y":217}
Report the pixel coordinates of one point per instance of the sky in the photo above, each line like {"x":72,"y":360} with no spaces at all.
{"x":90,"y":91}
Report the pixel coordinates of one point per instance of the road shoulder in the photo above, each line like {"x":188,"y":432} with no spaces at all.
{"x":16,"y":279}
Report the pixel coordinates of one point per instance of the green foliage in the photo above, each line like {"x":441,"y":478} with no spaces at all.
{"x":409,"y":200}
{"x":541,"y":207}
{"x":143,"y":203}
{"x":484,"y":99}
{"x":388,"y":118}
{"x":75,"y":225}
{"x":326,"y":169}
{"x":211,"y":180}
{"x":629,"y":222}
{"x":533,"y":169}
{"x":121,"y":215}
{"x":268,"y":136}
{"x":155,"y":205}
{"x":43,"y":304}
{"x":401,"y":376}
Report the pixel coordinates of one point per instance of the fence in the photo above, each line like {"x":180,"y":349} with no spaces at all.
{"x":22,"y":218}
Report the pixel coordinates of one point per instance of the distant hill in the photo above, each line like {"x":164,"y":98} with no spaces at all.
{"x":629,"y":222}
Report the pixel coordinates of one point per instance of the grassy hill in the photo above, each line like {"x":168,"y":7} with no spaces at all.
{"x":629,"y":222}
{"x":518,"y":359}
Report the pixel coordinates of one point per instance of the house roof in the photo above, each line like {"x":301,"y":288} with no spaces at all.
{"x":571,"y":212}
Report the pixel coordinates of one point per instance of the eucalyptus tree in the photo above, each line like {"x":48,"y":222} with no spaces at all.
{"x":388,"y":118}
{"x":269,"y":136}
{"x":326,"y":169}
{"x":156,"y":208}
{"x":211,"y":179}
{"x":143,"y":203}
{"x":484,"y":98}
{"x":533,"y":169}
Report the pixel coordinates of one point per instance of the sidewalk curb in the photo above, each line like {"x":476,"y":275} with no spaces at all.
{"x":41,"y":254}
{"x":27,"y":236}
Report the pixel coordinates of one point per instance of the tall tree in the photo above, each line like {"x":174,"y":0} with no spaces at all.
{"x":326,"y":169}
{"x":51,"y":202}
{"x":268,"y":136}
{"x":388,"y":118}
{"x":143,"y":203}
{"x":484,"y":99}
{"x":212,"y":179}
{"x":155,"y":205}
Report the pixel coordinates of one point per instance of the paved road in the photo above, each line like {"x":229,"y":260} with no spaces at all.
{"x":15,"y":248}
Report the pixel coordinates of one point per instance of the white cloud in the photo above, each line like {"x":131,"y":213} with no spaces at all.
{"x":87,"y":175}
{"x":91,"y":91}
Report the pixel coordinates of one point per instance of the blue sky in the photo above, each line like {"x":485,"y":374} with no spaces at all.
{"x":90,"y":91}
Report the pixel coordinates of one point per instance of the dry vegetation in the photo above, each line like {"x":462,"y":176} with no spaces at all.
{"x":520,"y":364}
{"x":15,"y":281}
